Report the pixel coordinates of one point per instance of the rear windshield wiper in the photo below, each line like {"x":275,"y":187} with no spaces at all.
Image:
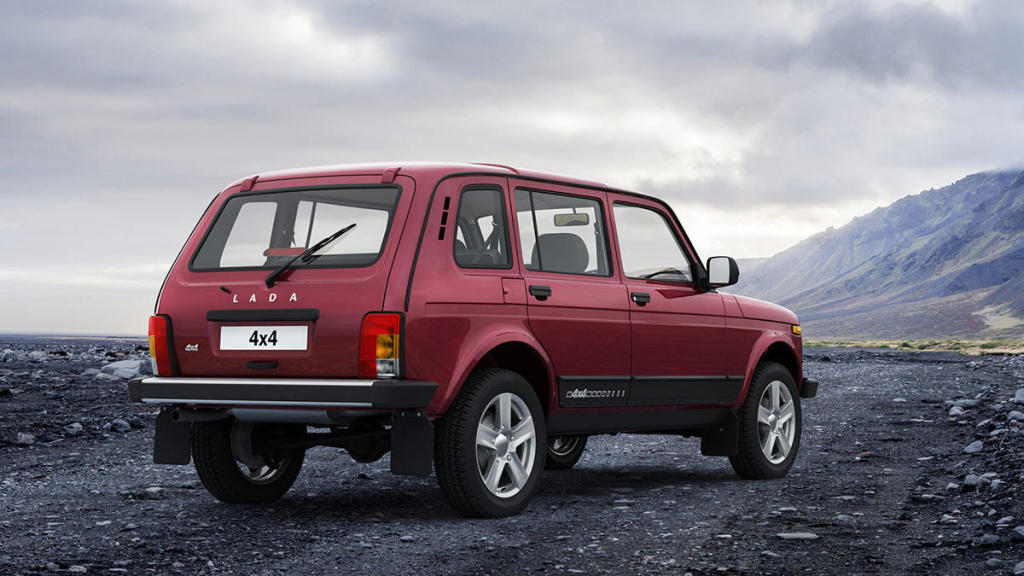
{"x":306,"y":256}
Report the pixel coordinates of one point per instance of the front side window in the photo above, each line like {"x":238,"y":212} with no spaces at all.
{"x":648,"y":246}
{"x":561,"y":233}
{"x":263,"y":230}
{"x":481,"y":237}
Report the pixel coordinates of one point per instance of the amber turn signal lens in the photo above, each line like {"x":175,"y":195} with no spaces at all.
{"x":797,"y":330}
{"x":387,"y":346}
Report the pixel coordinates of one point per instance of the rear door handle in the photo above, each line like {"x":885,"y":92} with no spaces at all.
{"x":540,"y":292}
{"x":641,"y":298}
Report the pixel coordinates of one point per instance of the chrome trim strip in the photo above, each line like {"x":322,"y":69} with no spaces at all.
{"x":236,"y":402}
{"x":260,"y":381}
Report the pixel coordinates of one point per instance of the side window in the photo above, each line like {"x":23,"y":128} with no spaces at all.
{"x":481,"y":230}
{"x":648,"y":246}
{"x":562,"y":233}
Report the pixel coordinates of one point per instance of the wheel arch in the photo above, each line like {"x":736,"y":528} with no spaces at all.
{"x":772,"y":349}
{"x":515,"y":352}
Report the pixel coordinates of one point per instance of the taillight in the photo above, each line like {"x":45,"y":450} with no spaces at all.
{"x":379,"y":346}
{"x":159,"y":346}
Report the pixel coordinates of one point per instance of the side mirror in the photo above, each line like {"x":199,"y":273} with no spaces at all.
{"x":722,"y":271}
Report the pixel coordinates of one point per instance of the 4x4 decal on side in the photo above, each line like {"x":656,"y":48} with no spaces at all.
{"x":584,"y":391}
{"x":584,"y":394}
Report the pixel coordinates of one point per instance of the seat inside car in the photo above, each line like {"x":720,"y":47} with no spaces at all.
{"x":466,"y":257}
{"x":560,"y":252}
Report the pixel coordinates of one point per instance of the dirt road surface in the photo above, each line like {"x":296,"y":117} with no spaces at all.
{"x":882,"y":485}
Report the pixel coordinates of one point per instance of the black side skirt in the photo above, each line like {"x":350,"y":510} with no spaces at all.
{"x":604,"y":422}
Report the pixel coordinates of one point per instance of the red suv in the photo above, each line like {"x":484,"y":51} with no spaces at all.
{"x":477,"y":320}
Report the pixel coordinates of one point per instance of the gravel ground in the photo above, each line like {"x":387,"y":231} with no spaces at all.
{"x":882,"y":485}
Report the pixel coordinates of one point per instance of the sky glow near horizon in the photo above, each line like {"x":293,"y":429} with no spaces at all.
{"x":761,"y":123}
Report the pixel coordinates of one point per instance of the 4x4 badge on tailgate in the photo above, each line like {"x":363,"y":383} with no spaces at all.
{"x":191,"y":347}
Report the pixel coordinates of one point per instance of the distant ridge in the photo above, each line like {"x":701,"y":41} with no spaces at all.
{"x":943,"y":263}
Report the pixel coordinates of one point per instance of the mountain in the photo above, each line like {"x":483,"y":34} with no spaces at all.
{"x":943,"y":263}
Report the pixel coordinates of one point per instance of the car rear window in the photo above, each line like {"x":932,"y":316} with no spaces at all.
{"x":265,"y":229}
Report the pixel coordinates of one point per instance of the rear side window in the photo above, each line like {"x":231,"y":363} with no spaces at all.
{"x":481,"y":237}
{"x":648,"y":247}
{"x":562,"y":233}
{"x":263,"y":230}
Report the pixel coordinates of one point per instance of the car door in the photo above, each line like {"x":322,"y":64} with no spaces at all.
{"x":677,"y":330}
{"x":577,"y":306}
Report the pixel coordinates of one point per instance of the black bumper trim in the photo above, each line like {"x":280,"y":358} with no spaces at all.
{"x":809,"y":389}
{"x":273,"y":315}
{"x":267,"y":392}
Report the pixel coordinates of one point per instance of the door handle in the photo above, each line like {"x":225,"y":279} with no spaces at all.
{"x":641,"y":298}
{"x":540,"y":292}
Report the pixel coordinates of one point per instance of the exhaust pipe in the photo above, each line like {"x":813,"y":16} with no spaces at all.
{"x":190,"y":415}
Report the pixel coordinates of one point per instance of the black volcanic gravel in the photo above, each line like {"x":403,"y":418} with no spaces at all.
{"x":882,"y":486}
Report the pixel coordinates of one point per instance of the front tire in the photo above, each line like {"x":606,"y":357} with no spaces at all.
{"x":769,"y":425}
{"x":564,"y":451}
{"x":224,"y":474}
{"x":490,"y":445}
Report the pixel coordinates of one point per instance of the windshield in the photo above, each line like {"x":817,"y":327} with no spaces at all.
{"x":265,"y":230}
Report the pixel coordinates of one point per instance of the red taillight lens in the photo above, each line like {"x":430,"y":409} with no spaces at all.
{"x":159,"y":346}
{"x":379,"y":346}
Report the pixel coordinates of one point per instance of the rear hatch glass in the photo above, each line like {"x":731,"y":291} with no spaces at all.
{"x":257,"y":231}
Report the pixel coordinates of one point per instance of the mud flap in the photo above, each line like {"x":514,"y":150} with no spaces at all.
{"x":722,"y":440}
{"x":412,"y":444}
{"x":173,"y":441}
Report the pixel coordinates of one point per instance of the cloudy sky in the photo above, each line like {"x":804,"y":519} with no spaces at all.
{"x":761,"y":122}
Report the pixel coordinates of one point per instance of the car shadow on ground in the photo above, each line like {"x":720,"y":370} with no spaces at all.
{"x":595,"y":482}
{"x":400,"y":499}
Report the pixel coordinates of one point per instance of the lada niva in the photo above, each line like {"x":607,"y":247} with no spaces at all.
{"x":473,"y":320}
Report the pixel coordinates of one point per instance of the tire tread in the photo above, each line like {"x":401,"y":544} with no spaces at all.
{"x":457,"y":477}
{"x":215,"y":465}
{"x":749,"y":461}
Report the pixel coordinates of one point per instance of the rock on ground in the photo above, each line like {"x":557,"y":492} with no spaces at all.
{"x":124,"y":369}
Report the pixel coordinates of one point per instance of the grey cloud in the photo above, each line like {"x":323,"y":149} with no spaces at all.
{"x":921,"y":43}
{"x":120,"y":120}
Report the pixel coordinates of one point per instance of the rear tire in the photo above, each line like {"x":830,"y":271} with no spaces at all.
{"x":490,"y":445}
{"x":769,"y":425}
{"x":564,"y":451}
{"x":222,"y":473}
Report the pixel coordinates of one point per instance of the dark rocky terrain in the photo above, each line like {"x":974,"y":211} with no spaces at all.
{"x":883,"y":485}
{"x":944,"y":263}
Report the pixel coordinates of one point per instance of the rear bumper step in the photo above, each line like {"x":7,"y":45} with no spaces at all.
{"x":266,"y":392}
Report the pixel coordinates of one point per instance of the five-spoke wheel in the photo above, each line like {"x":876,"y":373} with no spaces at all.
{"x":775,"y":424}
{"x":487,"y":455}
{"x":506,"y":445}
{"x":768,"y":424}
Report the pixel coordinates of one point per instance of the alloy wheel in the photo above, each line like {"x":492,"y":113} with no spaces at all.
{"x":506,"y":445}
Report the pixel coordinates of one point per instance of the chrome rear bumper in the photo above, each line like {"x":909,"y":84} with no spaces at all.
{"x":283,"y":392}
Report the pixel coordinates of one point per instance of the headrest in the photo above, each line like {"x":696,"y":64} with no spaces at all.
{"x":561,"y":252}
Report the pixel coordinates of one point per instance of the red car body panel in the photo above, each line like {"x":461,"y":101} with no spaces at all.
{"x":453,"y":317}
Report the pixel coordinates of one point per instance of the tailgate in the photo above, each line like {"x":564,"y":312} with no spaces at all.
{"x":227,"y":322}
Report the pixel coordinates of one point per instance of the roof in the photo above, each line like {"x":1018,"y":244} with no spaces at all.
{"x":414,"y":169}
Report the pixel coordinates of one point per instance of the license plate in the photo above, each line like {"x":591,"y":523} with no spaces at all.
{"x":263,"y":337}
